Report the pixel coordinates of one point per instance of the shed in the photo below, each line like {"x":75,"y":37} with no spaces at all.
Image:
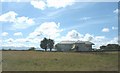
{"x":74,"y":46}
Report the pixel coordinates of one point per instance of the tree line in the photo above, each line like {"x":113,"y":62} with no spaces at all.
{"x":110,"y":47}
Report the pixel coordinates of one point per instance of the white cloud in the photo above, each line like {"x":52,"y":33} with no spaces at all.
{"x":21,"y":42}
{"x":9,"y":40}
{"x":18,"y":34}
{"x":41,"y":4}
{"x":99,"y":41}
{"x":38,"y":4}
{"x":4,"y":34}
{"x":88,"y":37}
{"x":34,"y":34}
{"x":14,"y":42}
{"x":22,"y":23}
{"x":116,"y":11}
{"x":74,"y":34}
{"x":15,"y":0}
{"x":85,"y":18}
{"x":25,"y":20}
{"x":102,"y":40}
{"x":76,"y":0}
{"x":17,"y":22}
{"x":100,"y":37}
{"x":35,"y":40}
{"x":105,"y":30}
{"x":14,"y":45}
{"x":59,"y":3}
{"x":113,"y":41}
{"x":0,"y":40}
{"x":114,"y":28}
{"x":8,"y":17}
{"x":47,"y":29}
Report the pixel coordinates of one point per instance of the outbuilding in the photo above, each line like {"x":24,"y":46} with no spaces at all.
{"x":74,"y":46}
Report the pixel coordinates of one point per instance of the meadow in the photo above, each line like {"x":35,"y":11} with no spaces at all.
{"x":59,"y":61}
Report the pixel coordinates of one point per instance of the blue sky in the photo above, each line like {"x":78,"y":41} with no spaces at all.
{"x":26,"y":23}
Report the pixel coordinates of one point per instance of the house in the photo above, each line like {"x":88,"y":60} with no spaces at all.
{"x":74,"y":46}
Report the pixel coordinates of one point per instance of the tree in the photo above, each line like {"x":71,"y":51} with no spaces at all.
{"x":50,"y":44}
{"x":113,"y":46}
{"x":32,"y":48}
{"x":9,"y":49}
{"x":44,"y":43}
{"x":110,"y":47}
{"x":102,"y":47}
{"x":47,"y":43}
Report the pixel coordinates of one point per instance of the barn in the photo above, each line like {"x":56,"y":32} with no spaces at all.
{"x":74,"y":46}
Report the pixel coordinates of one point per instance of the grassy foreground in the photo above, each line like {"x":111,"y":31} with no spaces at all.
{"x":59,"y":61}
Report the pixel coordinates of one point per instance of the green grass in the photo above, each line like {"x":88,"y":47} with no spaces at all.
{"x":59,"y":61}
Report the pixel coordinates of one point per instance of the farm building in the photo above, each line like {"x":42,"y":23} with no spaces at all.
{"x":74,"y":46}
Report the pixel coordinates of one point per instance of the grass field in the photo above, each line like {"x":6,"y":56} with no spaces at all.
{"x":59,"y":61}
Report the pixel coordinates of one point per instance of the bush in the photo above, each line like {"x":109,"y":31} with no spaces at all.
{"x":32,"y":49}
{"x":111,"y":47}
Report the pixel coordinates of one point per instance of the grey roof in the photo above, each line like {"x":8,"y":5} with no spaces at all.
{"x":72,"y":42}
{"x":87,"y":42}
{"x":67,"y":42}
{"x":79,"y":41}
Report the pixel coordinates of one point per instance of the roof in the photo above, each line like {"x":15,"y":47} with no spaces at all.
{"x":87,"y":42}
{"x":79,"y":41}
{"x":72,"y":42}
{"x":67,"y":42}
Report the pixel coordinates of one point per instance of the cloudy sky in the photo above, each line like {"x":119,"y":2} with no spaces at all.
{"x":27,"y":23}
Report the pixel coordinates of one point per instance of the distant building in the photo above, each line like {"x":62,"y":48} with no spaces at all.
{"x":74,"y":46}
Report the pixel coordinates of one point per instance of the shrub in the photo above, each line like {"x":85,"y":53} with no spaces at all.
{"x":31,"y":48}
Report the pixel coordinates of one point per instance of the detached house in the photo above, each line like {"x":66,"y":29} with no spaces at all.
{"x":74,"y":46}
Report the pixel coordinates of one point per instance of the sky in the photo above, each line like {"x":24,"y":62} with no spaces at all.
{"x":27,"y":23}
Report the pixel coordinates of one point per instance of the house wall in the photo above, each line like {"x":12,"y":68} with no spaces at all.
{"x":84,"y":47}
{"x":67,"y":47}
{"x":64,"y":47}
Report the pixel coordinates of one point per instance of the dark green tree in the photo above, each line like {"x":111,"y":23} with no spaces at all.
{"x":31,"y":48}
{"x":9,"y":49}
{"x":102,"y":47}
{"x":110,"y":47}
{"x":50,"y":44}
{"x":47,"y":43}
{"x":113,"y":46}
{"x":44,"y":43}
